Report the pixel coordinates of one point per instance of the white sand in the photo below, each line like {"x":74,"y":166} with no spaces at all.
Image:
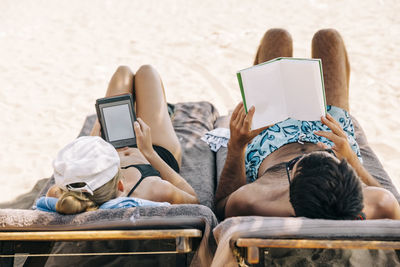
{"x":56,"y":58}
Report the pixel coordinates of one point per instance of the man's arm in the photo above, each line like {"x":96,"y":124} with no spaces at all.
{"x":233,"y":175}
{"x":379,"y":203}
{"x":342,"y":149}
{"x":365,"y":176}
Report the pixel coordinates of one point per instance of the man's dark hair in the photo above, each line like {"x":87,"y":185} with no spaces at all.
{"x":325,"y":188}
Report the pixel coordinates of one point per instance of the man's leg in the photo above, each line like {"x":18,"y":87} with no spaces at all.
{"x":121,"y":83}
{"x":328,"y":45}
{"x":275,"y":43}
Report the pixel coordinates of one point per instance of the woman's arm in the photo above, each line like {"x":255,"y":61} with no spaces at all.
{"x":187,"y":194}
{"x":144,"y":142}
{"x":342,"y":149}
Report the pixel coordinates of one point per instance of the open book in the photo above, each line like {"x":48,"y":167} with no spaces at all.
{"x":283,"y":88}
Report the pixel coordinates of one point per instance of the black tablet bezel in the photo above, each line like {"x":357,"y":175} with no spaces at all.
{"x":102,"y":103}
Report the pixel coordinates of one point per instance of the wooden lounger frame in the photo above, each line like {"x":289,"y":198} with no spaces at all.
{"x":249,"y":248}
{"x":183,"y":240}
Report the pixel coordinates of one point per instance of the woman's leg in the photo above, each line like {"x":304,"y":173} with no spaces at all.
{"x":275,"y":43}
{"x":151,"y":107}
{"x":121,"y":82}
{"x":328,"y":45}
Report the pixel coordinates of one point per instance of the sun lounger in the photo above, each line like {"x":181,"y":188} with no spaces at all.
{"x":181,"y":228}
{"x":283,"y":241}
{"x":265,"y":240}
{"x":180,"y":233}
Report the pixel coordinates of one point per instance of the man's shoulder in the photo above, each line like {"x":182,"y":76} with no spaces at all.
{"x":379,"y":203}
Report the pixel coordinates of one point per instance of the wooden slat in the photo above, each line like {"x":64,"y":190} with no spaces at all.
{"x":24,"y":255}
{"x":253,"y":255}
{"x":311,"y":243}
{"x":99,"y":235}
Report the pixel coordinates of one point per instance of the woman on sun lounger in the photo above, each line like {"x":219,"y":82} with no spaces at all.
{"x":89,"y":171}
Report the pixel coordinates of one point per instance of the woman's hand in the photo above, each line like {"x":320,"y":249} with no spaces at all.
{"x":240,"y":127}
{"x":342,"y":147}
{"x":143,"y":137}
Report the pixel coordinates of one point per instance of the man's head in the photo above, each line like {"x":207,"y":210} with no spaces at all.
{"x":324,"y":187}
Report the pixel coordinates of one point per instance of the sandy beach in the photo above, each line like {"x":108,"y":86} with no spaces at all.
{"x":56,"y":58}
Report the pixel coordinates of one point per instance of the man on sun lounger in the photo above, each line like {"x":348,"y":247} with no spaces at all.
{"x":315,"y":174}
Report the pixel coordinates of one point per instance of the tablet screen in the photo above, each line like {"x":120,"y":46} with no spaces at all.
{"x":119,"y":123}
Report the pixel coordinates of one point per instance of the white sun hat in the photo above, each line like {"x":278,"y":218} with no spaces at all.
{"x":89,"y":160}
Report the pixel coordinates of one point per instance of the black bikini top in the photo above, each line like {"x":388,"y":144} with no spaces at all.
{"x":146,"y":170}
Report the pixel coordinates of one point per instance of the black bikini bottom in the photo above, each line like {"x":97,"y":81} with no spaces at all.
{"x":166,"y":156}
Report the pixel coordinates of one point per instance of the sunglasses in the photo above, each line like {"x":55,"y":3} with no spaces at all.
{"x":290,"y":164}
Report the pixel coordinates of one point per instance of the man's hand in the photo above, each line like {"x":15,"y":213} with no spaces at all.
{"x":343,"y":150}
{"x":342,"y":147}
{"x":143,"y":137}
{"x":240,"y":127}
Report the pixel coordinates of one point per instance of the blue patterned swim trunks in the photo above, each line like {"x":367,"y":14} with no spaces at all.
{"x":294,"y":131}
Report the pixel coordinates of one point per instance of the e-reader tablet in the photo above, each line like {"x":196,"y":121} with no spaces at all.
{"x":116,"y":116}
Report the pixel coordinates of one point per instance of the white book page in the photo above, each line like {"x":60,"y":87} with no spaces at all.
{"x":303,"y":89}
{"x":263,"y":89}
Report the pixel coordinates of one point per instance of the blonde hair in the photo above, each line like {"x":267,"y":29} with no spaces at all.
{"x":72,"y":202}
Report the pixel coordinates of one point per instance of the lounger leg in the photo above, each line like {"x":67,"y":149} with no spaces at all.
{"x":181,"y":259}
{"x":36,"y":248}
{"x":183,"y":245}
{"x":253,"y":255}
{"x":7,"y":248}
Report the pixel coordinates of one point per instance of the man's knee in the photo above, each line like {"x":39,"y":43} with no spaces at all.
{"x":327,"y":36}
{"x":277,"y":34}
{"x":275,"y":43}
